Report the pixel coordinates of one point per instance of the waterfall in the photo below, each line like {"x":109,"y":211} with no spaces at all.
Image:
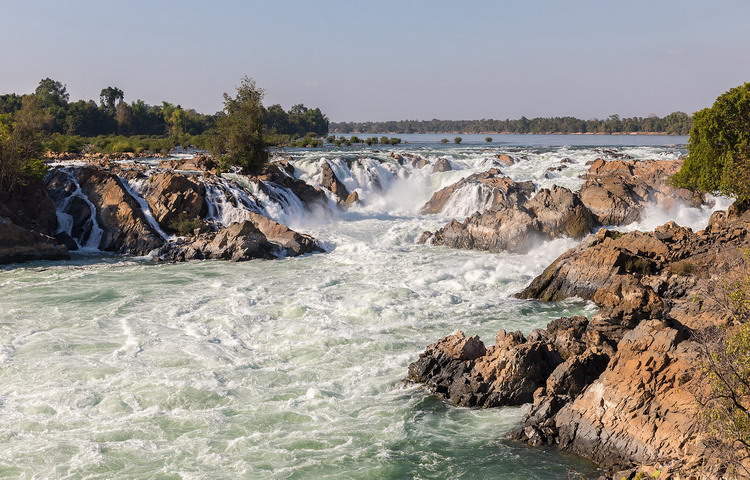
{"x":66,"y":221}
{"x":470,"y":198}
{"x":134,"y":189}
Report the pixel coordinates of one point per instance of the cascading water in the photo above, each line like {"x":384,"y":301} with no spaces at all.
{"x":289,"y":368}
{"x":135,"y":189}
{"x":91,"y":236}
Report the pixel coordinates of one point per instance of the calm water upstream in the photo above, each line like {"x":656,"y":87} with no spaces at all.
{"x":288,"y":369}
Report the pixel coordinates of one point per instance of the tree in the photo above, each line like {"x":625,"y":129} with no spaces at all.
{"x":20,"y":143}
{"x":457,"y":140}
{"x":238,"y":140}
{"x":444,"y":140}
{"x":488,"y":139}
{"x":725,"y":352}
{"x":51,"y":93}
{"x":124,"y":118}
{"x":109,"y":97}
{"x":718,"y":158}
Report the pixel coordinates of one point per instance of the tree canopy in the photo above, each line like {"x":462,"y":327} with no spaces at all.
{"x":238,"y":140}
{"x":718,"y":158}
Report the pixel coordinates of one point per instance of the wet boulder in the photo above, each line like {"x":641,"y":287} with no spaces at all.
{"x":18,"y":244}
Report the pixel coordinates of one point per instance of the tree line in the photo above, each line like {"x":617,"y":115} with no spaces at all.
{"x":112,"y":115}
{"x":677,"y":123}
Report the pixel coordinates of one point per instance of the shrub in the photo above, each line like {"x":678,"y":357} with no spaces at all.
{"x":718,"y":158}
{"x":185,"y":225}
{"x":488,"y":139}
{"x":457,"y":140}
{"x":394,"y":141}
{"x":444,"y":140}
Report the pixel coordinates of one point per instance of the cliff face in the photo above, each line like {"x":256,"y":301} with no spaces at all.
{"x":619,"y":388}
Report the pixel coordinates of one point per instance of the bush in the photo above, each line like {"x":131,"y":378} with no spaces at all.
{"x":718,"y":158}
{"x":488,"y":139}
{"x":444,"y":140}
{"x":185,"y":225}
{"x":394,"y":141}
{"x":457,"y":140}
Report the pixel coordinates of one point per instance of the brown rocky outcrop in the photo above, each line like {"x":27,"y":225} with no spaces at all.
{"x":504,"y":191}
{"x":617,"y":191}
{"x":461,"y":370}
{"x":279,"y":172}
{"x":257,"y":237}
{"x":550,"y":214}
{"x":125,"y":229}
{"x":172,"y":196}
{"x":29,"y":206}
{"x":623,"y":390}
{"x":18,"y":244}
{"x":506,"y":159}
{"x":330,"y":181}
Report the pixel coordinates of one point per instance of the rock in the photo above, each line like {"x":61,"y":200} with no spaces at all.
{"x":125,"y":229}
{"x":550,"y":214}
{"x":506,"y":160}
{"x":279,"y":173}
{"x":30,"y":207}
{"x":510,"y":230}
{"x":617,"y":191}
{"x":352,"y":199}
{"x":504,"y":192}
{"x":561,"y":213}
{"x":287,"y":241}
{"x":237,"y":242}
{"x":460,"y":370}
{"x":257,"y":237}
{"x":172,"y":196}
{"x":18,"y":244}
{"x":442,"y":165}
{"x":200,"y":163}
{"x":329,"y":181}
{"x":642,"y":409}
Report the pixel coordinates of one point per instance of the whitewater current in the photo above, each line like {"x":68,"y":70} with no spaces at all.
{"x":116,"y":367}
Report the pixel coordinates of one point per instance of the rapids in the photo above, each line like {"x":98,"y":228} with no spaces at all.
{"x":115,"y":367}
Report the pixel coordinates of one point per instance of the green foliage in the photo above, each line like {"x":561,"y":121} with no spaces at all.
{"x":444,"y":140}
{"x":718,"y":158}
{"x":457,"y":140}
{"x":238,"y":139}
{"x":113,"y":115}
{"x":394,"y":141}
{"x":20,"y":143}
{"x":185,"y":225}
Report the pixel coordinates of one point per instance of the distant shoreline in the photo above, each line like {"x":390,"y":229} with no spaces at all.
{"x":663,"y":134}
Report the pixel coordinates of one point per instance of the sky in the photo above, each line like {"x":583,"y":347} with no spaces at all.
{"x":388,"y":60}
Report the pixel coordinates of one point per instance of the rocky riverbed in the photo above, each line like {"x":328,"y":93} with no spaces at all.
{"x":350,"y":222}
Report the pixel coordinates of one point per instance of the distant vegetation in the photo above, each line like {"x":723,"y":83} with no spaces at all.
{"x":46,"y":120}
{"x":113,"y":125}
{"x":677,"y":123}
{"x":718,"y":158}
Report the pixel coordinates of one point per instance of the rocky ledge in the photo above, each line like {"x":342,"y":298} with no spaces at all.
{"x":614,"y":193}
{"x":180,"y":210}
{"x":619,"y":388}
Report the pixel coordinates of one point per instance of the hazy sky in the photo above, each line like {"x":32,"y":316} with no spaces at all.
{"x":365,"y":60}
